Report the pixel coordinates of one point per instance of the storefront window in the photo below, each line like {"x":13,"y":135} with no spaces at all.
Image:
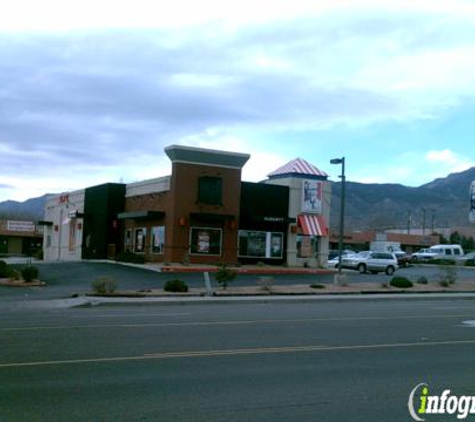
{"x":254,"y":244}
{"x":139,"y":239}
{"x":205,"y":241}
{"x":128,"y":239}
{"x":158,"y":239}
{"x":306,"y":246}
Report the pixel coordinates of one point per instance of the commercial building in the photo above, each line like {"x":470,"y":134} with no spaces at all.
{"x":19,"y":237}
{"x":201,"y":213}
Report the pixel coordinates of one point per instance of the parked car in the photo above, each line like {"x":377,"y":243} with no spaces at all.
{"x":334,"y":253}
{"x":403,"y":259}
{"x":439,"y":251}
{"x":447,"y":251}
{"x":469,"y":259}
{"x":333,"y":262}
{"x":424,"y":254}
{"x":373,"y":262}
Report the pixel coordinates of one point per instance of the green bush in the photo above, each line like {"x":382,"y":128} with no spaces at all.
{"x":401,"y":282}
{"x":176,"y":286}
{"x":317,"y":286}
{"x":3,"y":269}
{"x":12,"y":273}
{"x":130,"y":257}
{"x":29,"y":273}
{"x":422,"y":280}
{"x":224,"y":275}
{"x":442,"y":261}
{"x":104,"y":285}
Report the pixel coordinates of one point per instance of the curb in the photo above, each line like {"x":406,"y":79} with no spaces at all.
{"x":276,"y":299}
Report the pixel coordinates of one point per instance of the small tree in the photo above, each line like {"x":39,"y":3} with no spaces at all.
{"x":224,"y":276}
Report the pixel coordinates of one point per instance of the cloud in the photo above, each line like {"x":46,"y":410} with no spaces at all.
{"x":444,"y":161}
{"x":103,"y":93}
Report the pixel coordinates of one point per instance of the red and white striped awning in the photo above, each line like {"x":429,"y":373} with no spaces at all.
{"x":298,"y":166}
{"x":313,"y":225}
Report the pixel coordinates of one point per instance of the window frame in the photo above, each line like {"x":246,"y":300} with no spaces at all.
{"x":216,"y":229}
{"x":268,"y":244}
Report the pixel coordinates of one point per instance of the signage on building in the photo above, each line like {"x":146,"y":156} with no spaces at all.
{"x":20,"y":226}
{"x":63,"y":199}
{"x":312,"y":194}
{"x":274,"y":219}
{"x":306,"y":248}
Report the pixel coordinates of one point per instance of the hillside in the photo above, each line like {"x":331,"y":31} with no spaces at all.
{"x":383,"y":206}
{"x":31,"y":209}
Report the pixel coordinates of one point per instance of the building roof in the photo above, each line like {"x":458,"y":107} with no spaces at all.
{"x":298,"y":167}
{"x":210,"y":157}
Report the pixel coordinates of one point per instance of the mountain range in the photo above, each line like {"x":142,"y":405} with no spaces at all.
{"x":444,"y":202}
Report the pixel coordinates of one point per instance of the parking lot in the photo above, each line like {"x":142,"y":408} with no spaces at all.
{"x":65,"y":279}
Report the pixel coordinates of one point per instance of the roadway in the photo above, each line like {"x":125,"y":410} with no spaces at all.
{"x":356,"y":360}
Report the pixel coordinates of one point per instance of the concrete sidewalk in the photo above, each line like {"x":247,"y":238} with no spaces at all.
{"x":92,"y":301}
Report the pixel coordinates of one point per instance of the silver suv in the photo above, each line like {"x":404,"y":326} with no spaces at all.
{"x":374,"y":262}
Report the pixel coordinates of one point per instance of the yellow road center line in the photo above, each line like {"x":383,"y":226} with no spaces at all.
{"x":236,"y":352}
{"x":238,"y":322}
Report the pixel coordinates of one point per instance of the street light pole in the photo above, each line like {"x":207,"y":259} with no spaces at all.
{"x":342,"y":208}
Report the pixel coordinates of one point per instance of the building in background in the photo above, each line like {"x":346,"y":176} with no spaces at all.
{"x":202,"y":213}
{"x":18,"y":237}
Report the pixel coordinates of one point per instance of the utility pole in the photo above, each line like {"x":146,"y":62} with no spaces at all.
{"x":409,"y":221}
{"x":423,"y":221}
{"x":432,"y":222}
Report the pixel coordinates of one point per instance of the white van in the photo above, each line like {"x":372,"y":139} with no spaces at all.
{"x":446,"y":251}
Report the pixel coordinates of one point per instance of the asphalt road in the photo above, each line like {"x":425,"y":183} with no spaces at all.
{"x":323,"y":361}
{"x":64,"y":279}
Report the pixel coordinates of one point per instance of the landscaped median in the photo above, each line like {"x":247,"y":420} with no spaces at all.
{"x":26,"y":277}
{"x":293,"y":290}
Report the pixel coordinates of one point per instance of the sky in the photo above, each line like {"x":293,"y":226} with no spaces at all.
{"x":93,"y":91}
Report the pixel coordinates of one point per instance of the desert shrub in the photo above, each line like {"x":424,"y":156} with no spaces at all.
{"x":401,"y":282}
{"x":130,"y":257}
{"x":422,"y":280}
{"x":29,"y":273}
{"x":104,"y":285}
{"x":266,"y":283}
{"x":3,"y":269}
{"x":224,"y":275}
{"x":176,"y":286}
{"x":448,"y":274}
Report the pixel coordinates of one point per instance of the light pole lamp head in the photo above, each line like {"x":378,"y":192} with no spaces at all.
{"x":337,"y":160}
